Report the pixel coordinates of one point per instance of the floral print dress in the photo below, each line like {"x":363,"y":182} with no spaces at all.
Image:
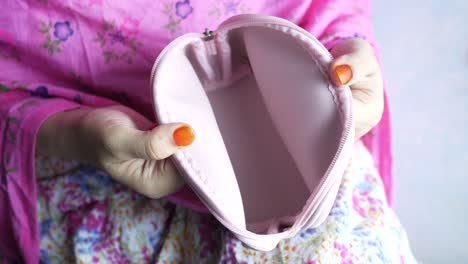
{"x":85,"y":217}
{"x":60,"y":55}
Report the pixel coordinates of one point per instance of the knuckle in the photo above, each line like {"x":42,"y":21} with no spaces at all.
{"x":164,"y":168}
{"x":152,"y":148}
{"x":161,"y":181}
{"x":150,"y":184}
{"x":153,"y":189}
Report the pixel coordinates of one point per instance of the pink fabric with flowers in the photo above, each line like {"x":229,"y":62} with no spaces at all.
{"x":57,"y":55}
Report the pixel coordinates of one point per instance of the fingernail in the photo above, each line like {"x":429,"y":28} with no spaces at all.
{"x":343,"y":74}
{"x":184,"y":136}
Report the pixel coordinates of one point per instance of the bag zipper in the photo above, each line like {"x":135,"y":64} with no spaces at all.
{"x":234,"y":22}
{"x":252,"y":20}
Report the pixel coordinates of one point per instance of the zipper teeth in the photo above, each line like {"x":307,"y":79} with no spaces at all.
{"x":252,"y":20}
{"x":344,"y":140}
{"x":242,"y":20}
{"x":249,"y":20}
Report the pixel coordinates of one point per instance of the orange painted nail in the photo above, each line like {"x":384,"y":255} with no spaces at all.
{"x":184,"y":136}
{"x":343,"y":74}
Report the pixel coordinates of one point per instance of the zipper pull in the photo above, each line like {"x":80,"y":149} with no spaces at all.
{"x":208,"y":34}
{"x":210,"y":45}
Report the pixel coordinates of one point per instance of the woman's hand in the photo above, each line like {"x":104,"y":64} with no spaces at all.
{"x":355,"y":65}
{"x":120,"y":141}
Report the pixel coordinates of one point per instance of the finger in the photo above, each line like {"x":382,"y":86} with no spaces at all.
{"x":163,"y":179}
{"x":367,"y":91}
{"x":160,"y":142}
{"x":152,"y":178}
{"x":368,"y":105}
{"x":350,"y":69}
{"x":363,"y":125}
{"x":354,"y":62}
{"x":168,"y":179}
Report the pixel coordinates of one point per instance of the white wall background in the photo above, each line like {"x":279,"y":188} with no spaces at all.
{"x":424,"y":45}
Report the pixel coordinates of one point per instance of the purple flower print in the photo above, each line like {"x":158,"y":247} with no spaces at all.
{"x":308,"y":232}
{"x":358,"y":35}
{"x":78,"y":99}
{"x":183,"y":9}
{"x":62,"y":30}
{"x":44,"y":256}
{"x":45,"y":227}
{"x":117,"y":36}
{"x":124,"y":35}
{"x":41,"y":91}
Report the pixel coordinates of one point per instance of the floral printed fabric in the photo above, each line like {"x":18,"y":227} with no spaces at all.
{"x":59,"y":55}
{"x":86,"y":217}
{"x":61,"y":31}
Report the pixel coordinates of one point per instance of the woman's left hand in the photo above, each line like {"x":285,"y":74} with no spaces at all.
{"x":356,"y":65}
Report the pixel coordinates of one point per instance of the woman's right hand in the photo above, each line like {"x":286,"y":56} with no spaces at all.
{"x":120,"y":141}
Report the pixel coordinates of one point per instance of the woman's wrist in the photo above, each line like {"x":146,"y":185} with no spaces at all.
{"x":60,"y":136}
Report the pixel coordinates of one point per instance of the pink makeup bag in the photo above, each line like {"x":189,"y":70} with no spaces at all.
{"x":274,"y":135}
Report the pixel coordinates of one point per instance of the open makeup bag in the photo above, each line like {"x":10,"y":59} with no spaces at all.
{"x":274,"y":135}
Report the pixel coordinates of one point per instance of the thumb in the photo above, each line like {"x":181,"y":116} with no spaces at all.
{"x":160,"y":142}
{"x":354,"y":62}
{"x":355,"y":65}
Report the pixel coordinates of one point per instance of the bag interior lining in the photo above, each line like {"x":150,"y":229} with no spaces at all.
{"x":270,"y":181}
